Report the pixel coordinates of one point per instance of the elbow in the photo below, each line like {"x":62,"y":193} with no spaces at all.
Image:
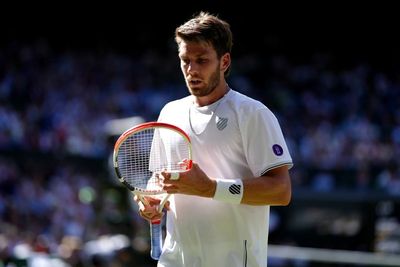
{"x":282,"y":187}
{"x":286,"y":198}
{"x":285,"y":195}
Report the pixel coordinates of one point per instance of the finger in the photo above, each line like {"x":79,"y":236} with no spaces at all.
{"x":151,"y":215}
{"x":154,"y":202}
{"x":185,"y":164}
{"x":170,"y":188}
{"x":148,"y":211}
{"x":141,"y":206}
{"x":136,"y":198}
{"x":151,"y":201}
{"x":143,"y":200}
{"x":167,"y":206}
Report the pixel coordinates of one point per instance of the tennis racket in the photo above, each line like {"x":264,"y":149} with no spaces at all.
{"x":140,"y":155}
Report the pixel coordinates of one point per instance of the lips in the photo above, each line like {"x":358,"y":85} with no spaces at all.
{"x":194,"y":81}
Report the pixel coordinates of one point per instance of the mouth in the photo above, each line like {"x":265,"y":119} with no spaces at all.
{"x":194,"y":82}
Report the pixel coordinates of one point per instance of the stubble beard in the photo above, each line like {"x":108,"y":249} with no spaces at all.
{"x":208,"y":88}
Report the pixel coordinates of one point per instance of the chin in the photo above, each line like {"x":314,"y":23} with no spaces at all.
{"x":195,"y":92}
{"x":195,"y":89}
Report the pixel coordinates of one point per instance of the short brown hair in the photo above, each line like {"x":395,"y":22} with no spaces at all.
{"x":207,"y":28}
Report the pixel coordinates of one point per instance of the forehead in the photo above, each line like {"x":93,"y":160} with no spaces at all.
{"x":196,"y":49}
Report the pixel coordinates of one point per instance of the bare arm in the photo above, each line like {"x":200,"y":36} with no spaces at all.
{"x":274,"y":188}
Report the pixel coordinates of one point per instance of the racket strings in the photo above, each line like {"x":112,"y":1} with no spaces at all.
{"x":145,"y":154}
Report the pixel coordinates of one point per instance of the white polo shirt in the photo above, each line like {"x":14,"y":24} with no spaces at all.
{"x":236,"y":137}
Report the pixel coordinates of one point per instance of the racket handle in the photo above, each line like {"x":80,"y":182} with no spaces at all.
{"x":156,"y":239}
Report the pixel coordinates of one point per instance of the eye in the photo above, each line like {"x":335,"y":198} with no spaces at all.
{"x":202,"y":60}
{"x":185,"y":61}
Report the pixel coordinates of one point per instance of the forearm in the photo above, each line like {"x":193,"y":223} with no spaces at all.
{"x":271,"y":189}
{"x":267,"y":190}
{"x":274,"y":188}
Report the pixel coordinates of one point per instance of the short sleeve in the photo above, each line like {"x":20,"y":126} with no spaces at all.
{"x":263,"y":141}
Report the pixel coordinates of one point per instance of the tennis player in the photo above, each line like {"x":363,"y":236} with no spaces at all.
{"x":219,"y":211}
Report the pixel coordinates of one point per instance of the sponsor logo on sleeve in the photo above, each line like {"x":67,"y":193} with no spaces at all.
{"x":277,"y":149}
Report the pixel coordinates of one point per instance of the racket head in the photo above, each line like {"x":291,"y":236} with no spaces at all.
{"x":142,"y":152}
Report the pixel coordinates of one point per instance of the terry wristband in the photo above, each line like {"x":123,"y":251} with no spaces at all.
{"x":228,"y":190}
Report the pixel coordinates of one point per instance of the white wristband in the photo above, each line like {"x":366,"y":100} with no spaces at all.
{"x":228,"y":190}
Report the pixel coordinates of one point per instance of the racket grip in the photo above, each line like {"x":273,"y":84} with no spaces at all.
{"x":156,"y":239}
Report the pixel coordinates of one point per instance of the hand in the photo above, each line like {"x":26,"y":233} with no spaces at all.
{"x":148,"y":208}
{"x":191,"y":182}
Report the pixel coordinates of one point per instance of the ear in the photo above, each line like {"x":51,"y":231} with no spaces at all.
{"x":225,"y":62}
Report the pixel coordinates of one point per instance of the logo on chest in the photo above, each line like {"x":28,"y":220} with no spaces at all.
{"x":222,"y":123}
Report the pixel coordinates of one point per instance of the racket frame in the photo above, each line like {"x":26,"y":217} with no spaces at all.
{"x":139,"y":128}
{"x":140,"y":192}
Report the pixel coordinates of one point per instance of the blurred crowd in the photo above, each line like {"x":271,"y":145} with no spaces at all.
{"x":71,"y":212}
{"x":341,"y":121}
{"x":337,"y":117}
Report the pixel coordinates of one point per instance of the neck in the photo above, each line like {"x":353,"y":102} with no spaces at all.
{"x":219,"y":92}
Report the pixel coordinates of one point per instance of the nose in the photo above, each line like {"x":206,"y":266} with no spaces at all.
{"x":192,"y":68}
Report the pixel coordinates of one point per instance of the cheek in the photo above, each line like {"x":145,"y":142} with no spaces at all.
{"x":183,"y":69}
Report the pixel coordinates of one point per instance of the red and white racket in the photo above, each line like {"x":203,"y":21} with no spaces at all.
{"x":141,"y":154}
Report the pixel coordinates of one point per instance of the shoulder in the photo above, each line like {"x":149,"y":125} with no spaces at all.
{"x":246,"y":105}
{"x":251,"y":114}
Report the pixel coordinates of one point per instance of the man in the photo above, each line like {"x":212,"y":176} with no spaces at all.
{"x":219,"y":212}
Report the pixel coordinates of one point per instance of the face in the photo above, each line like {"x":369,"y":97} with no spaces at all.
{"x":201,"y":67}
